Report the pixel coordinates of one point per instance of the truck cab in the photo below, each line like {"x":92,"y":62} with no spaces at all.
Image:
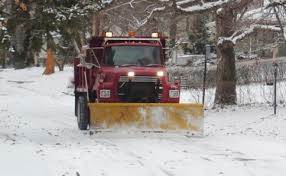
{"x":122,"y":83}
{"x":127,"y":69}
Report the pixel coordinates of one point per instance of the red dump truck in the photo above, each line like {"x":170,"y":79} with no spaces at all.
{"x":122,"y":82}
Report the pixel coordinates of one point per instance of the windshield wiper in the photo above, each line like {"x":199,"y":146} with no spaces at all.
{"x":153,"y":65}
{"x":127,"y":65}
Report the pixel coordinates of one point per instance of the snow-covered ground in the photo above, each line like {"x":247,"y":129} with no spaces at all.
{"x":39,"y":136}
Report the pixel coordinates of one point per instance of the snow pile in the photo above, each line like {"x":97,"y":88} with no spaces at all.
{"x":39,"y":136}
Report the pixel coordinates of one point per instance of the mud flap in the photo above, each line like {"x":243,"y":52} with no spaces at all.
{"x":157,"y":117}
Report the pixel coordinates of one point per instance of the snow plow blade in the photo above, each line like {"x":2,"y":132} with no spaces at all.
{"x":147,"y":117}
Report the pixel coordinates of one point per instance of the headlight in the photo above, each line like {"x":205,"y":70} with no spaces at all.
{"x":104,"y":93}
{"x":174,"y":93}
{"x":131,"y":74}
{"x":160,"y":73}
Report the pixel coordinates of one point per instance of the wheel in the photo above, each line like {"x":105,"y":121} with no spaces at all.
{"x":82,"y":113}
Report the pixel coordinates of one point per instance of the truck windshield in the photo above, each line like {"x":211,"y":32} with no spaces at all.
{"x":132,"y":56}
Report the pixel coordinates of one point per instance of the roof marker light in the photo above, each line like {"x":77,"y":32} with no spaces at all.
{"x":155,"y":35}
{"x":131,"y":34}
{"x":108,"y":34}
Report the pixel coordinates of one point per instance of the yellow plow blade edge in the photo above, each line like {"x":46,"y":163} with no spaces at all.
{"x":147,"y":117}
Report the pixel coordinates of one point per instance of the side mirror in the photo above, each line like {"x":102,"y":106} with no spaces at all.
{"x":166,"y":52}
{"x":95,"y":54}
{"x":177,"y":82}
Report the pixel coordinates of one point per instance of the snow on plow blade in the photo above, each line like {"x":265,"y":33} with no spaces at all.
{"x":157,"y":117}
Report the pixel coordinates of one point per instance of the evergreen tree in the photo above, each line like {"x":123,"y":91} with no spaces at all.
{"x":199,"y":36}
{"x":35,"y":23}
{"x":4,"y":38}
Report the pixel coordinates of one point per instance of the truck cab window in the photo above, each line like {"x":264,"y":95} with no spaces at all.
{"x":132,"y":55}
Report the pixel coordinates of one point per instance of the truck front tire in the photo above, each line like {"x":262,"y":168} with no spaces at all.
{"x":82,"y":113}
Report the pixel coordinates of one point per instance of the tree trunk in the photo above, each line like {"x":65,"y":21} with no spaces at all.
{"x":173,"y":25}
{"x":226,"y":71}
{"x":96,"y":24}
{"x":36,"y":59}
{"x":3,"y":63}
{"x":3,"y":58}
{"x":188,"y":24}
{"x":61,"y":64}
{"x":50,"y":62}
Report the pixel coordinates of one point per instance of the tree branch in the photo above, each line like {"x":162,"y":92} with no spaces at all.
{"x":239,"y":35}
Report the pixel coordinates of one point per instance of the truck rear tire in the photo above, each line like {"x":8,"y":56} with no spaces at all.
{"x":82,"y":113}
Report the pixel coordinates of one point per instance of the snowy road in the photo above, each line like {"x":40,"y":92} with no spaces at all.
{"x":39,"y":136}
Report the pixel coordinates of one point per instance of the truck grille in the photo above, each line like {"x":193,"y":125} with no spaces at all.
{"x":152,"y":79}
{"x":141,"y":89}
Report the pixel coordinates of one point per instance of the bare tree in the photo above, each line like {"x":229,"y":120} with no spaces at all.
{"x":228,"y":15}
{"x":279,"y":9}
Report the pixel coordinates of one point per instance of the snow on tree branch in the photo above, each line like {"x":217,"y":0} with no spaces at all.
{"x":275,"y":2}
{"x":145,"y":20}
{"x":239,"y":35}
{"x":201,"y":6}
